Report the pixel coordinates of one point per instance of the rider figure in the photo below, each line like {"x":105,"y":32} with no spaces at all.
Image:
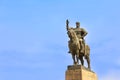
{"x":81,"y":33}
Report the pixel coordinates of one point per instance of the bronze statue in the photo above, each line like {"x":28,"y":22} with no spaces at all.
{"x":76,"y":44}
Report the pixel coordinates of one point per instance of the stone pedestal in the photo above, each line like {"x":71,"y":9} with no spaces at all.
{"x":78,"y":72}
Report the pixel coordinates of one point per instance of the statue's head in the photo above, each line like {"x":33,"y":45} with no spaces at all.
{"x":77,"y":24}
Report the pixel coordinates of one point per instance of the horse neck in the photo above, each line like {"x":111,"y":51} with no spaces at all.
{"x":74,"y":37}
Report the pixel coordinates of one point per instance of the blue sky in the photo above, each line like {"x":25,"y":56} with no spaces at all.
{"x":33,"y":43}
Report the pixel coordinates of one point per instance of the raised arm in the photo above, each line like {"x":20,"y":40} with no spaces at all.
{"x":67,"y":24}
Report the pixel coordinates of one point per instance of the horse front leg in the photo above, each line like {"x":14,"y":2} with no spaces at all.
{"x":77,"y":60}
{"x":77,"y":56}
{"x":81,"y":59}
{"x":73,"y":57}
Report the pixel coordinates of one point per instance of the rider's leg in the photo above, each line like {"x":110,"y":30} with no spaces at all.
{"x":82,"y":46}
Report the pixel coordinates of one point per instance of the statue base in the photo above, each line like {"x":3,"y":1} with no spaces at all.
{"x":78,"y":72}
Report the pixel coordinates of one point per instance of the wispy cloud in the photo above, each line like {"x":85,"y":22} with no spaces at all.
{"x":111,"y":75}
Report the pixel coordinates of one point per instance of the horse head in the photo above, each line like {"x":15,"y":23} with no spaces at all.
{"x":71,"y":33}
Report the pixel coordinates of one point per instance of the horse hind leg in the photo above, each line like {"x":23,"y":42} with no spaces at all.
{"x":87,"y":57}
{"x":88,"y":61}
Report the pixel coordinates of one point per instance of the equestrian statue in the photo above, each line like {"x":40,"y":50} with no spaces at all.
{"x":77,"y":46}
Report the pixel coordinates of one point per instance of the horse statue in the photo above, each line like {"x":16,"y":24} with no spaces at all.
{"x":74,"y":46}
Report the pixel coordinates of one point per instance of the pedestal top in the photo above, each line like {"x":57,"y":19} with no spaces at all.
{"x":75,"y":67}
{"x":79,"y":72}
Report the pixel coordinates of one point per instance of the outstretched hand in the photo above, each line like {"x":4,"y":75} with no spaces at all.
{"x":67,"y":22}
